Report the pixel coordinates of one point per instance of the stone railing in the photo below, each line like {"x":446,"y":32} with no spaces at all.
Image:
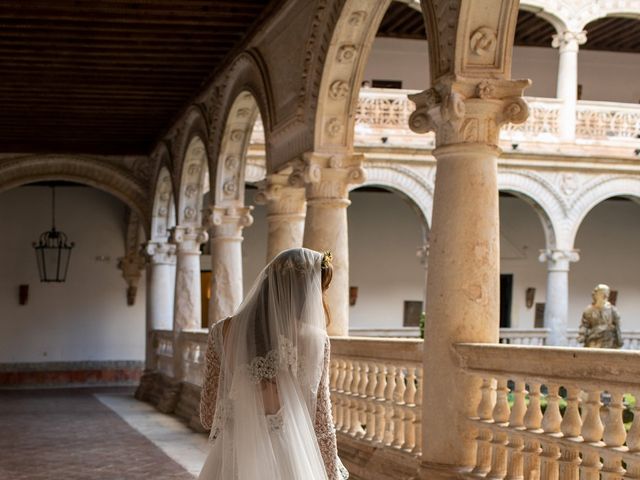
{"x":516,"y":336}
{"x":194,"y":347}
{"x":607,"y":120}
{"x":630,"y":339}
{"x":554,"y":413}
{"x":376,"y":390}
{"x":163,"y":343}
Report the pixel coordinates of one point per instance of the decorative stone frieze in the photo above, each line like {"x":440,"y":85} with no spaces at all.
{"x":469,"y":111}
{"x":286,"y":209}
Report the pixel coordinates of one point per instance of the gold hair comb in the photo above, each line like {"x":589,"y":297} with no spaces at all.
{"x":327,"y":259}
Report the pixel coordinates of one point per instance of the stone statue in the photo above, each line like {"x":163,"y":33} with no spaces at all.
{"x":600,"y":326}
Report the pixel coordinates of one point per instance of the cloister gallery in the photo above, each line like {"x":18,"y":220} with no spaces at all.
{"x":187,"y":143}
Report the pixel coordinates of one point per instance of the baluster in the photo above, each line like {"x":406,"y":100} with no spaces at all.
{"x":592,"y":429}
{"x":614,"y":436}
{"x":515,"y":468}
{"x":551,"y":422}
{"x":334,"y":371}
{"x":388,"y":401}
{"x":409,"y":410}
{"x":532,"y":422}
{"x":356,"y":425}
{"x":484,"y":414}
{"x":417,"y":417}
{"x":339,"y":403}
{"x":568,"y":468}
{"x":361,"y":399}
{"x":348,"y":378}
{"x":372,"y":375}
{"x":633,"y":443}
{"x":380,"y":403}
{"x":398,"y":409}
{"x":501,"y":413}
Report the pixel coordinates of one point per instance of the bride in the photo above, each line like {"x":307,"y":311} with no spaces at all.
{"x":265,"y":394}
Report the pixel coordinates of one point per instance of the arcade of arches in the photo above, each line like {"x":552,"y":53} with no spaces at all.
{"x":476,"y":161}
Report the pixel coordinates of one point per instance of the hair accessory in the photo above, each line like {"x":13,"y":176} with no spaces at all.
{"x":327,"y":259}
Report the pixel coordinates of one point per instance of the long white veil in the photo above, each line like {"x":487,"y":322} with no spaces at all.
{"x":271,"y":368}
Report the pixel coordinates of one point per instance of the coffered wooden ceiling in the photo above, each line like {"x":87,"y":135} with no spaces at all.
{"x":609,"y":33}
{"x":108,"y":76}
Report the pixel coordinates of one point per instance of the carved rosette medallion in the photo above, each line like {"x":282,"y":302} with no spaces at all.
{"x":483,"y":42}
{"x":338,"y":90}
{"x":346,"y":54}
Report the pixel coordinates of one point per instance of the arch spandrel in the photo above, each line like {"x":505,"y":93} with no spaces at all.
{"x":85,"y":170}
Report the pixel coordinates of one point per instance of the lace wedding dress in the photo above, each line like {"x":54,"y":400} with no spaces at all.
{"x":265,"y":394}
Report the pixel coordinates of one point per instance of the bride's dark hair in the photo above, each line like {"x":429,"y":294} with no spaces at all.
{"x":326,"y":271}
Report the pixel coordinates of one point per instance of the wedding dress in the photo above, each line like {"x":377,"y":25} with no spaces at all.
{"x":265,"y":394}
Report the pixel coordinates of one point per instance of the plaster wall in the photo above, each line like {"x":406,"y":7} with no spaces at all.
{"x":605,"y":76}
{"x":86,"y":318}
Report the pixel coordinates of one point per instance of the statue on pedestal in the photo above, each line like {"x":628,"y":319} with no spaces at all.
{"x":600,"y":326}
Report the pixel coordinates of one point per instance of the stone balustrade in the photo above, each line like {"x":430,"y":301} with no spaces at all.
{"x":382,"y":117}
{"x":163,"y":343}
{"x":630,"y":339}
{"x":518,"y":336}
{"x":376,"y":390}
{"x":554,"y":413}
{"x":194,"y":347}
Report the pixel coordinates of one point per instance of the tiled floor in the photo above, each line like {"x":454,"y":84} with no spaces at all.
{"x":72,"y":435}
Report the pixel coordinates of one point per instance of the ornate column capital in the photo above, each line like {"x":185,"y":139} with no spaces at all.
{"x":281,"y":198}
{"x":131,"y":267}
{"x":557,"y":259}
{"x":228,"y":222}
{"x":327,"y":177}
{"x":568,"y":40}
{"x":465,"y":110}
{"x":160,"y":253}
{"x":422,"y":253}
{"x":188,"y":238}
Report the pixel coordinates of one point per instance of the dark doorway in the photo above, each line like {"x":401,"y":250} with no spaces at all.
{"x":506,"y":297}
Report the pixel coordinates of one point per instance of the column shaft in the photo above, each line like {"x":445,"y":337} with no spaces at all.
{"x":567,"y":88}
{"x":463,"y":303}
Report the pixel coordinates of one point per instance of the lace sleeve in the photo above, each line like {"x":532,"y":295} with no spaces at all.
{"x":325,"y":431}
{"x":210,"y":379}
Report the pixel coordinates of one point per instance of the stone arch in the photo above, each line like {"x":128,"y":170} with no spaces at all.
{"x":163,"y":210}
{"x":574,"y":16}
{"x":193,"y":124}
{"x":542,"y":197}
{"x":85,"y":170}
{"x":194,"y":182}
{"x":551,"y":11}
{"x":239,"y":97}
{"x":230,"y":170}
{"x":407,"y":183}
{"x":596,"y":192}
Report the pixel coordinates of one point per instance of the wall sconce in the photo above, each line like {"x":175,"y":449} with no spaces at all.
{"x":23,"y":294}
{"x":530,"y":296}
{"x":353,"y":295}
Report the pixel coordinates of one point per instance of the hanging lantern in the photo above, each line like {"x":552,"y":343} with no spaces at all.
{"x":53,"y":251}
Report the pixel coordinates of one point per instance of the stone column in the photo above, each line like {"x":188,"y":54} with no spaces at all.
{"x":286,"y":209}
{"x":556,"y":310}
{"x":161,"y":282}
{"x":225,"y":229}
{"x":568,"y":44}
{"x":326,"y":179}
{"x":187,"y":306}
{"x":463,"y":281}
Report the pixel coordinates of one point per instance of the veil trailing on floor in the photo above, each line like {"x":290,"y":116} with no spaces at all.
{"x":271,"y":368}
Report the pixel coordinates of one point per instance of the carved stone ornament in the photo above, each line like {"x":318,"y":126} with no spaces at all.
{"x":228,"y":221}
{"x":567,"y":38}
{"x":243,"y":113}
{"x":556,"y":255}
{"x":357,"y":18}
{"x":338,"y":90}
{"x":236,"y":135}
{"x":333,"y":127}
{"x":160,"y":252}
{"x":328,"y":176}
{"x":193,"y":169}
{"x":230,"y":187}
{"x":188,"y":239}
{"x":568,"y":183}
{"x":346,"y":54}
{"x":467,"y":111}
{"x":483,"y":41}
{"x":231,"y":162}
{"x":190,"y":190}
{"x":189,"y":213}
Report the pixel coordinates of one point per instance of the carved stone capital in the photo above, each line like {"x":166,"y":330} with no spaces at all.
{"x":160,"y":253}
{"x":131,"y":267}
{"x":281,"y":198}
{"x":558,"y":260}
{"x":327,"y":177}
{"x":469,"y":111}
{"x":188,"y":239}
{"x":228,"y":222}
{"x":568,"y":40}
